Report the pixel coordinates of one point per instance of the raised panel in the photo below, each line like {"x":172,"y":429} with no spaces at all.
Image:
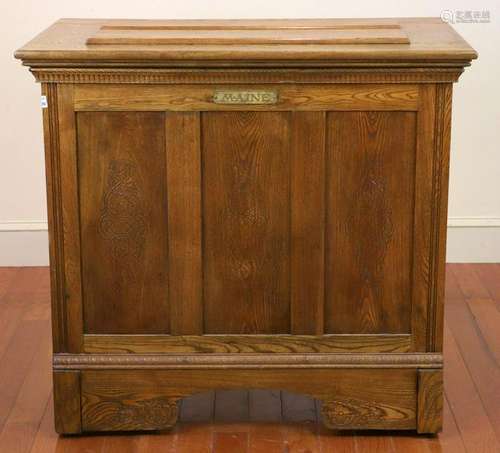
{"x":246,"y":222}
{"x":370,"y":204}
{"x":123,"y":210}
{"x":126,"y":35}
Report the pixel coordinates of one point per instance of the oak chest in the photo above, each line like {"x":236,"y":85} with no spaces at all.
{"x":247,"y":204}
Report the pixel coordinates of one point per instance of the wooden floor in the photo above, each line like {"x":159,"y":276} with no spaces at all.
{"x":256,"y":421}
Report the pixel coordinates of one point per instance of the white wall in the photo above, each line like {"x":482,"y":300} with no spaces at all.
{"x":474,"y":224}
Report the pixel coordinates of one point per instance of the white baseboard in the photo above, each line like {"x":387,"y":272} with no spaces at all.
{"x":473,"y":240}
{"x":15,"y":226}
{"x":470,"y":240}
{"x":473,"y":244}
{"x":474,"y":222}
{"x":24,"y":247}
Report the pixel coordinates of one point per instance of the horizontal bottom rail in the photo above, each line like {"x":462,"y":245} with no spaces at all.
{"x":250,"y":361}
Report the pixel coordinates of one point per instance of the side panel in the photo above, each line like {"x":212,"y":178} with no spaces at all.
{"x":54,"y":217}
{"x":370,"y":199}
{"x":442,"y":133}
{"x":71,"y":234}
{"x":123,"y":210}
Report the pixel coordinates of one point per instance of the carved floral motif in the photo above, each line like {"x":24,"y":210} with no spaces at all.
{"x":122,"y":219}
{"x":350,"y":412}
{"x":158,"y":412}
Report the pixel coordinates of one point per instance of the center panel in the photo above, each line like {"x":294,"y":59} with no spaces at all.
{"x":246,"y":222}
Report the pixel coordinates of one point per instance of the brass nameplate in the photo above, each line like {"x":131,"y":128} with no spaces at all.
{"x":245,"y":97}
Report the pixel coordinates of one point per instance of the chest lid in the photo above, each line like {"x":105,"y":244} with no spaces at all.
{"x":269,"y":42}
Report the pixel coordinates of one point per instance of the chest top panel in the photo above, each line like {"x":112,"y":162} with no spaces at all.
{"x":271,"y":42}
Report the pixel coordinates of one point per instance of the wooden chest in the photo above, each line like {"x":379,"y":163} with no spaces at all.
{"x":247,"y":204}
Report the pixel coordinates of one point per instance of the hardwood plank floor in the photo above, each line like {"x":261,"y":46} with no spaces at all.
{"x":258,"y":421}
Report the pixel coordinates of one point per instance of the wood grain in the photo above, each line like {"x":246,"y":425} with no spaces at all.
{"x":141,"y":36}
{"x":71,"y":235}
{"x":477,"y":430}
{"x":266,"y":438}
{"x":186,"y":438}
{"x":433,"y":42}
{"x":7,"y":274}
{"x":54,"y":217}
{"x":449,"y":440}
{"x":94,"y":97}
{"x":67,"y":407}
{"x":468,"y":281}
{"x":301,"y":437}
{"x":486,"y":314}
{"x":123,"y":208}
{"x":481,"y":364}
{"x":17,"y":302}
{"x":452,"y":290}
{"x":247,"y":361}
{"x":249,"y":24}
{"x":368,"y":443}
{"x":183,"y":153}
{"x":430,"y":401}
{"x":423,"y":232}
{"x":21,"y":425}
{"x":199,"y":246}
{"x":46,"y":438}
{"x":347,"y":408}
{"x":489,"y":276}
{"x":307,"y":196}
{"x":368,"y":233}
{"x":78,"y":444}
{"x":230,"y":442}
{"x":116,"y":400}
{"x":132,"y":414}
{"x":188,"y":76}
{"x":335,"y":441}
{"x":246,"y":209}
{"x":461,"y":420}
{"x":440,"y":216}
{"x":16,"y":360}
{"x":245,"y":343}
